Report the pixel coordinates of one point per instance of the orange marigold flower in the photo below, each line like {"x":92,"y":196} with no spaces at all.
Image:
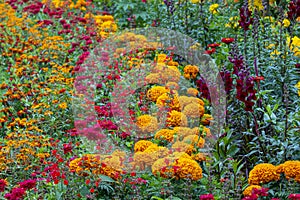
{"x":190,"y":71}
{"x":206,"y":118}
{"x":194,"y":140}
{"x":263,"y":173}
{"x":291,"y":169}
{"x":147,"y":123}
{"x":168,"y":100}
{"x":176,"y":118}
{"x":165,"y":134}
{"x":192,"y":91}
{"x":194,"y":110}
{"x":142,"y":145}
{"x":156,"y":91}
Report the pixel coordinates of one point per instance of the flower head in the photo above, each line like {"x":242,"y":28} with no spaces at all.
{"x":263,"y":173}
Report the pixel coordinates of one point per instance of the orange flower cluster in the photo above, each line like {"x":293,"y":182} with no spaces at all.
{"x":110,"y":166}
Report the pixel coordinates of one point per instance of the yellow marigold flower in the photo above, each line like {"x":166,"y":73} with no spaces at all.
{"x":298,"y":87}
{"x":206,"y":118}
{"x":295,"y":45}
{"x":162,"y":168}
{"x":165,"y":134}
{"x":195,"y":1}
{"x":161,"y":58}
{"x":194,"y":140}
{"x":180,"y":155}
{"x":171,"y":73}
{"x":249,"y":189}
{"x":213,"y":8}
{"x":181,"y":146}
{"x":196,"y":100}
{"x":147,"y":123}
{"x":63,"y":105}
{"x":172,"y":63}
{"x":263,"y":173}
{"x":233,"y":22}
{"x":192,"y":91}
{"x":199,"y":157}
{"x":168,"y":100}
{"x":291,"y":169}
{"x":187,"y":168}
{"x":156,"y":91}
{"x":194,"y":110}
{"x":183,"y":131}
{"x":172,"y":85}
{"x":153,"y":78}
{"x":184,"y":100}
{"x":255,"y":4}
{"x":190,"y":71}
{"x":286,"y":23}
{"x":176,"y":118}
{"x":142,"y":145}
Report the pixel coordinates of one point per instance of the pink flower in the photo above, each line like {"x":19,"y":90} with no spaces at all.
{"x":206,"y":197}
{"x":294,"y":196}
{"x":3,"y":184}
{"x":28,"y":184}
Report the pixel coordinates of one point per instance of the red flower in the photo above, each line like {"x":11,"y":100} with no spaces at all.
{"x":213,"y":45}
{"x":206,"y":197}
{"x":66,"y":182}
{"x":132,"y":174}
{"x":3,"y":184}
{"x":227,"y":40}
{"x":294,"y":196}
{"x":213,"y":50}
{"x":28,"y":184}
{"x":67,"y":148}
{"x":259,"y":78}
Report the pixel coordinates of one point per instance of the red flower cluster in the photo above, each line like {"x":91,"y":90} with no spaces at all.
{"x":261,"y":192}
{"x":294,"y":196}
{"x":244,"y":83}
{"x":245,"y":18}
{"x":294,"y":10}
{"x":3,"y":184}
{"x":227,"y":40}
{"x":19,"y":192}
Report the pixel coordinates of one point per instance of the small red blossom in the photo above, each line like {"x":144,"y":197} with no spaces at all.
{"x":227,"y":40}
{"x":206,"y":197}
{"x":214,"y":45}
{"x":294,"y":196}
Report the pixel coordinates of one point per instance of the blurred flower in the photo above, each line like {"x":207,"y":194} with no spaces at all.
{"x":156,"y":91}
{"x":176,"y":118}
{"x":206,"y":197}
{"x":255,"y":4}
{"x":165,"y":134}
{"x":227,"y":40}
{"x":248,"y":191}
{"x":194,"y":140}
{"x":28,"y":184}
{"x":147,"y":123}
{"x":142,"y":145}
{"x":213,"y":8}
{"x":294,"y":196}
{"x":3,"y":184}
{"x":190,"y":71}
{"x":194,"y":110}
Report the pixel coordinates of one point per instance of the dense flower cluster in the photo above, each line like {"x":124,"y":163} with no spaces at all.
{"x":263,"y":173}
